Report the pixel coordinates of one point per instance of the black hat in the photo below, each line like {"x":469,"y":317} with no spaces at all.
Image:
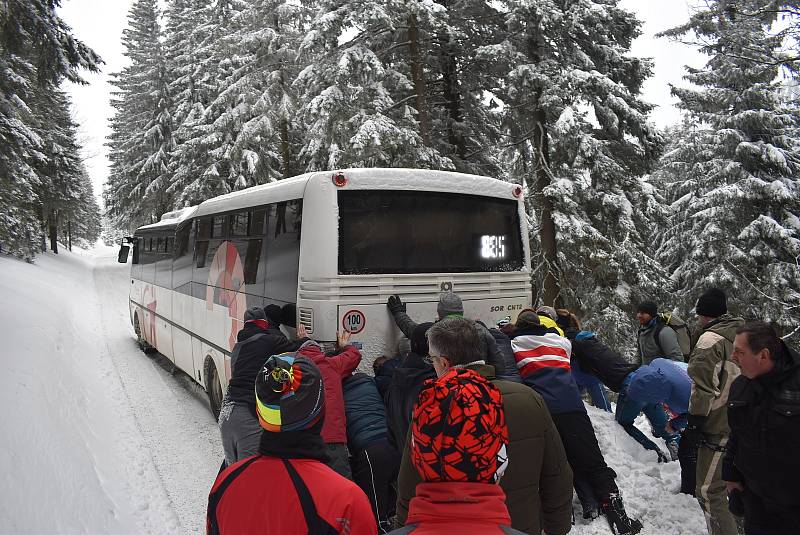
{"x":419,"y":342}
{"x":254,"y":313}
{"x":648,"y":307}
{"x":289,"y":315}
{"x":273,"y":313}
{"x":527,"y":319}
{"x":713,"y":303}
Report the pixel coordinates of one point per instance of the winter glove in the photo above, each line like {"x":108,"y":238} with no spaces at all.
{"x":693,"y":434}
{"x":395,"y":304}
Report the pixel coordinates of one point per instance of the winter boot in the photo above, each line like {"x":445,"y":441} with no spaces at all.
{"x":617,"y":518}
{"x":591,"y":513}
{"x":672,"y":446}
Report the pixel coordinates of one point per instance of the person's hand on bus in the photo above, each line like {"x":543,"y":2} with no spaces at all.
{"x":395,"y":304}
{"x":301,"y":331}
{"x":342,"y":338}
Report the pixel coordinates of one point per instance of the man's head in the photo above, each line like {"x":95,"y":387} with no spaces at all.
{"x":454,"y":341}
{"x":712,"y":304}
{"x":756,"y":348}
{"x":527,"y":319}
{"x":547,"y":312}
{"x":449,"y":305}
{"x":289,"y":315}
{"x":290,"y":395}
{"x":458,"y":430}
{"x":646,"y":311}
{"x":254,"y":313}
{"x":273,"y":313}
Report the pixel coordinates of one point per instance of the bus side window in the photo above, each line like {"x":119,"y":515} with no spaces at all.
{"x":182,"y":261}
{"x":149,"y":260}
{"x":283,"y":250}
{"x":163,"y":263}
{"x":136,"y":266}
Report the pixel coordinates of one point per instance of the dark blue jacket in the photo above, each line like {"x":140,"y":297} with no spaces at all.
{"x":364,"y":410}
{"x":662,"y":381}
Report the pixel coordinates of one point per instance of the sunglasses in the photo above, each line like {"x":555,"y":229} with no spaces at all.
{"x":429,"y":358}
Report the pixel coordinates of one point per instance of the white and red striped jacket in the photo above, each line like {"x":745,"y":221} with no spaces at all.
{"x":543,"y":362}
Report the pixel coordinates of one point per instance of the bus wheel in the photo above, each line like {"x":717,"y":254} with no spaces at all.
{"x":213,"y":387}
{"x":142,"y":343}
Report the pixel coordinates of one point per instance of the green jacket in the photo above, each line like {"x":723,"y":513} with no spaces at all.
{"x":538,"y":481}
{"x":712,"y":372}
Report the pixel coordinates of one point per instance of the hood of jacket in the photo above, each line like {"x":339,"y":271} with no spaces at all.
{"x":724,"y":326}
{"x":649,"y":384}
{"x":250,"y":329}
{"x":454,"y":503}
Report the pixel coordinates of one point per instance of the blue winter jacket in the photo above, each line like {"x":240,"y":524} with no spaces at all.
{"x":662,"y":381}
{"x":364,"y":410}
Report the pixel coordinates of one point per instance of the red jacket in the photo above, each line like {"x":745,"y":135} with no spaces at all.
{"x":459,"y":508}
{"x":258,"y":495}
{"x":333,"y":369}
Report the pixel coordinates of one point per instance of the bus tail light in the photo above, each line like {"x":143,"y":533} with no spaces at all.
{"x":339,"y":179}
{"x":517,"y":191}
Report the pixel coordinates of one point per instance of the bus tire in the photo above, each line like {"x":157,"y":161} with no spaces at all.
{"x":213,"y":387}
{"x":140,"y":341}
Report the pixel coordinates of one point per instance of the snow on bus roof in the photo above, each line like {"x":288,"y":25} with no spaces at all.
{"x":171,"y":219}
{"x":375,"y":178}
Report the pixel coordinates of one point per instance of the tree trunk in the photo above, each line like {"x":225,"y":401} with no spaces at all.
{"x":52,"y":224}
{"x":69,"y":235}
{"x":547,"y":227}
{"x":286,"y":149}
{"x":452,"y":97}
{"x":418,"y":78}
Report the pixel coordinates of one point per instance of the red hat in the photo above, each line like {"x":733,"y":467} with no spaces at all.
{"x":459,"y":429}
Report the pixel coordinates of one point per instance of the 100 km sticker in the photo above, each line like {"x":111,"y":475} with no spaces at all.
{"x":354,"y":321}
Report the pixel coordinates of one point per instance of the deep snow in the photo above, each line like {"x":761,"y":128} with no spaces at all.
{"x":101,"y":438}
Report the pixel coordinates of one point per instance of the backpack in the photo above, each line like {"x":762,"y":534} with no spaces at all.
{"x":678,"y":325}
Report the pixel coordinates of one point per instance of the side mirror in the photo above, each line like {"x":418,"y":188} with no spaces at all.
{"x":123,"y":254}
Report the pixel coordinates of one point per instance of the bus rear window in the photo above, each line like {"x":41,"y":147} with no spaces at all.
{"x":427,"y":232}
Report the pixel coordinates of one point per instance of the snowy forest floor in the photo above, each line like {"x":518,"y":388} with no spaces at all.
{"x":98,"y":437}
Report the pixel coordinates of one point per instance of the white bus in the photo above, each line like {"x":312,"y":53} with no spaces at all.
{"x":335,"y":244}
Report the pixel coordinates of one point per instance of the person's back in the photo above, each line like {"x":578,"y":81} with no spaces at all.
{"x":599,"y":360}
{"x":459,"y":452}
{"x":374,"y":462}
{"x":241,"y":502}
{"x":662,"y":381}
{"x":286,"y":488}
{"x":405,"y":385}
{"x":334,"y":368}
{"x":257,"y":340}
{"x":538,"y":488}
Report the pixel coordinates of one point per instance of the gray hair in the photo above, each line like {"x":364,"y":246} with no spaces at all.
{"x":457,"y":339}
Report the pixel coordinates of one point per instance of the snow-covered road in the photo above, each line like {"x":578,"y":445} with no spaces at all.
{"x":98,"y":437}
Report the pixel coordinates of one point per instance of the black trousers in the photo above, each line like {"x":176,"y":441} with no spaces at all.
{"x":765,"y":518}
{"x":687,"y":457}
{"x":375,"y":472}
{"x":584,"y":455}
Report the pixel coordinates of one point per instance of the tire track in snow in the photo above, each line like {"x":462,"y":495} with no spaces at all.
{"x":172,"y":419}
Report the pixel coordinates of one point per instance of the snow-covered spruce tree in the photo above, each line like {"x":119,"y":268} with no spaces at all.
{"x":256,"y":101}
{"x":192,"y":87}
{"x":37,"y":51}
{"x":578,"y":138}
{"x":202,"y":157}
{"x":60,"y":165}
{"x":741,"y":212}
{"x":351,"y":110}
{"x":142,"y":133}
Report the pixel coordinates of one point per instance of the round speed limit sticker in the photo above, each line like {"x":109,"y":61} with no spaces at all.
{"x":354,"y":321}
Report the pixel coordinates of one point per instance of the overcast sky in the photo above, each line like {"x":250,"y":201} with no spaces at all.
{"x":99,"y":23}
